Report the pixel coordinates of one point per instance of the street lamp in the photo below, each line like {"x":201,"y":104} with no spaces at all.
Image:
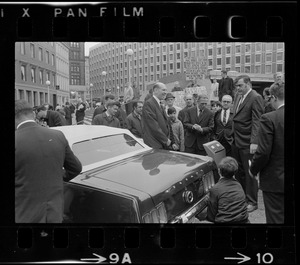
{"x":48,"y":84}
{"x":104,"y":74}
{"x":91,"y":96}
{"x":129,"y":52}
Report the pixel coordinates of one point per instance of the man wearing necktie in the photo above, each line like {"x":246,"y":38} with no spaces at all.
{"x":155,"y":120}
{"x":223,"y":124}
{"x":199,"y":123}
{"x":248,"y":107}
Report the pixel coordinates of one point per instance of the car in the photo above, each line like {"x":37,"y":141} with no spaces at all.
{"x":125,"y":181}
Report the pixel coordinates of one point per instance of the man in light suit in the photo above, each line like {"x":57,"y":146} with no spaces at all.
{"x":248,"y":107}
{"x":43,"y":158}
{"x":155,"y":120}
{"x":269,"y":157}
{"x":199,"y":123}
{"x":223,"y":124}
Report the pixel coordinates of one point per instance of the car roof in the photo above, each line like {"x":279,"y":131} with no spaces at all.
{"x":78,"y":133}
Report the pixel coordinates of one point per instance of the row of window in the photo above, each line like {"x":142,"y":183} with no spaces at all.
{"x":247,"y":59}
{"x":43,"y":76}
{"x":42,"y":56}
{"x":257,"y":69}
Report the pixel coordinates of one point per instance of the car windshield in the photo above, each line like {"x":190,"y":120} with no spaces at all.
{"x":102,"y":148}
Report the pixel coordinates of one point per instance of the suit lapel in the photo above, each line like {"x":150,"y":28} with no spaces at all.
{"x":200,"y":118}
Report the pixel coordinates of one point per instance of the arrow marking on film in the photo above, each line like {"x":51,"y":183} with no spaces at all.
{"x":98,"y":260}
{"x":243,"y":258}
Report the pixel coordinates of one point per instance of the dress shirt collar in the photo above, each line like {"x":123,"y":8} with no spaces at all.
{"x":157,"y":100}
{"x":21,"y":123}
{"x":244,"y":96}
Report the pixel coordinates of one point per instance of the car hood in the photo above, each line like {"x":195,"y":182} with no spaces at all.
{"x":152,"y":172}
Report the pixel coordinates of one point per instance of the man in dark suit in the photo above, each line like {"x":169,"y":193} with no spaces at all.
{"x":248,"y":107}
{"x":226,"y":86}
{"x":269,"y":157}
{"x":222,"y":131}
{"x":120,"y":114}
{"x":199,"y":124}
{"x":108,"y":118}
{"x":53,"y":118}
{"x":43,"y":158}
{"x":155,"y":120}
{"x":189,"y":103}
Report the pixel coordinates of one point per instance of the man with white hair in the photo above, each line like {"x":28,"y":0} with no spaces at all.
{"x":155,"y":120}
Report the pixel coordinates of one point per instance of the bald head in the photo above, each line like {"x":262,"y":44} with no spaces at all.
{"x":189,"y":100}
{"x":226,"y":101}
{"x":160,"y":90}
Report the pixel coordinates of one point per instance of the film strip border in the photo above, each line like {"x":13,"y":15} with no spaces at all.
{"x":149,"y":244}
{"x":150,"y":21}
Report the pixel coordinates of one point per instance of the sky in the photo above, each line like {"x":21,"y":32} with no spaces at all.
{"x":88,"y":45}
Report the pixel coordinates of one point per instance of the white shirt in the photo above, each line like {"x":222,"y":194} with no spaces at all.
{"x":156,"y":98}
{"x":226,"y":112}
{"x":24,"y":122}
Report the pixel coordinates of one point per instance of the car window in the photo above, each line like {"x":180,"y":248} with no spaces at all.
{"x":102,"y":148}
{"x":85,"y":205}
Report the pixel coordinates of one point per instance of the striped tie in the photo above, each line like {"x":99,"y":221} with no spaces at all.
{"x":224,"y":117}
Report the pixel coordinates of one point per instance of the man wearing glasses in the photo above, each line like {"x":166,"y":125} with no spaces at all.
{"x":248,"y":107}
{"x":223,"y":124}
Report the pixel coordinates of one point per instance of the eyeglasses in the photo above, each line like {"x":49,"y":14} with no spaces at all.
{"x":226,"y":101}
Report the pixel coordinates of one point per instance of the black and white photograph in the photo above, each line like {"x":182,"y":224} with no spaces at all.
{"x":149,"y":132}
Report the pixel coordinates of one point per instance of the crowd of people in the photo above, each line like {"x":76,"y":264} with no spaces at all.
{"x":249,"y":126}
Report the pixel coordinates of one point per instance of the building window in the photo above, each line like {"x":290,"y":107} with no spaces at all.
{"x":192,"y":54}
{"x":257,"y":69}
{"x":171,"y":57}
{"x":237,"y":59}
{"x":157,"y":76}
{"x":247,"y":48}
{"x":164,"y":48}
{"x":178,"y":56}
{"x":210,"y":62}
{"x":164,"y":58}
{"x":22,"y":47}
{"x":279,"y":68}
{"x":171,"y":47}
{"x":247,"y":59}
{"x":33,"y":79}
{"x":257,"y":58}
{"x":151,"y":68}
{"x":268,"y":57}
{"x":247,"y":69}
{"x":279,"y":56}
{"x":41,"y":77}
{"x":210,"y":52}
{"x":157,"y":59}
{"x":228,"y":50}
{"x":185,"y":54}
{"x":227,"y":60}
{"x":157,"y":68}
{"x":178,"y":65}
{"x":269,"y":46}
{"x":32,"y":52}
{"x":171,"y":66}
{"x":237,"y":49}
{"x":47,"y":57}
{"x":268,"y":69}
{"x":178,"y":46}
{"x":151,"y":60}
{"x":164,"y":67}
{"x":40,"y":54}
{"x":218,"y":61}
{"x":219,"y":51}
{"x":280,"y":45}
{"x":258,"y":47}
{"x":23,"y":72}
